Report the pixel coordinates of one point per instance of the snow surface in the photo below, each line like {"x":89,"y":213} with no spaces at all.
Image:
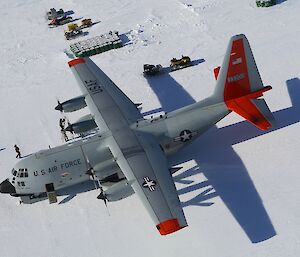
{"x":239,"y":186}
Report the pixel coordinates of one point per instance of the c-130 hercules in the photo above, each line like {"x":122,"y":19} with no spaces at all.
{"x":128,"y":154}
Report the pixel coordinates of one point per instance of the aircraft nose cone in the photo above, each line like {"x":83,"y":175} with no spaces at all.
{"x":7,"y":188}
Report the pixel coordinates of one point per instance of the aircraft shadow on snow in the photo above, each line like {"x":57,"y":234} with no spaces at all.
{"x":72,"y":191}
{"x":280,"y":1}
{"x":226,"y":174}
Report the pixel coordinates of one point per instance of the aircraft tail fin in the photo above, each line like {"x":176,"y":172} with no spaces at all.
{"x":239,"y":84}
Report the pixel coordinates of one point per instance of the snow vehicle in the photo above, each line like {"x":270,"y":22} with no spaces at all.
{"x":52,"y":14}
{"x":176,"y":64}
{"x":73,"y":34}
{"x":73,"y":31}
{"x":72,"y":26}
{"x":265,"y":3}
{"x":150,"y":69}
{"x":60,"y":21}
{"x":85,"y":23}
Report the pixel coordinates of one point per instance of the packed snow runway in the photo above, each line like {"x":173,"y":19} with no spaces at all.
{"x":238,"y":186}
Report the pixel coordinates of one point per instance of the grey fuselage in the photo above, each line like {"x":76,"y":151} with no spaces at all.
{"x":66,"y":165}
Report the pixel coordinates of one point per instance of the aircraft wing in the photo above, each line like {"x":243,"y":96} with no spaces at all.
{"x":102,"y":96}
{"x":146,"y":166}
{"x":138,"y":154}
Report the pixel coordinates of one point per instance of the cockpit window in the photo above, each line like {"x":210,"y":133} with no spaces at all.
{"x":22,"y":173}
{"x":21,"y":183}
{"x":14,"y":172}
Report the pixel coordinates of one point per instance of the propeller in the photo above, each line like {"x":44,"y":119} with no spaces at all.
{"x":91,"y":172}
{"x":102,"y":196}
{"x":59,"y":106}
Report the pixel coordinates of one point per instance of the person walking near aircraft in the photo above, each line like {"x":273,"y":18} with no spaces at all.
{"x":62,"y":123}
{"x":17,"y":149}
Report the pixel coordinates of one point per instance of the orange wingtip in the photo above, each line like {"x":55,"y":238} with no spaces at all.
{"x":168,"y":227}
{"x":75,"y":62}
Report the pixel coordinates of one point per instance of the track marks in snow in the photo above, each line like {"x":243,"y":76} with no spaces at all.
{"x":145,"y":33}
{"x":200,"y":7}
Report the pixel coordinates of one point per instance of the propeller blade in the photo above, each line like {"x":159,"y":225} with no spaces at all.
{"x":102,"y":195}
{"x":59,"y":106}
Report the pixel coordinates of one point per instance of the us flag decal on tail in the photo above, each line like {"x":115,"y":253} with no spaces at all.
{"x":237,"y":61}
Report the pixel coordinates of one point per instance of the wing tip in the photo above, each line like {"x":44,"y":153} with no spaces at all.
{"x":168,"y":227}
{"x":76,"y":62}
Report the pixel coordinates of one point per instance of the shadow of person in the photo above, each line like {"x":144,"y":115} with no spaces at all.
{"x":226,"y":174}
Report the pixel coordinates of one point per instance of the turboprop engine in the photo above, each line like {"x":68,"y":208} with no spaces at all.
{"x":71,"y":105}
{"x":84,"y":124}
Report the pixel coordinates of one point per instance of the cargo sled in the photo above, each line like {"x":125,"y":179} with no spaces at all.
{"x":151,"y":70}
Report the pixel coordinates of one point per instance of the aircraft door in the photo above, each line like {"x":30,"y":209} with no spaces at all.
{"x":51,"y":194}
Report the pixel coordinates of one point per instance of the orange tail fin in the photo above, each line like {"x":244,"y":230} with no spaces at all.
{"x":239,"y":84}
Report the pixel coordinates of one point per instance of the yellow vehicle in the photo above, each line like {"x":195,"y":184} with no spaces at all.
{"x":73,"y":31}
{"x":86,"y":23}
{"x":72,"y":27}
{"x":180,"y":63}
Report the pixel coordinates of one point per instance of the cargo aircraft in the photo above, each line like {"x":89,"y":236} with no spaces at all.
{"x":129,"y":153}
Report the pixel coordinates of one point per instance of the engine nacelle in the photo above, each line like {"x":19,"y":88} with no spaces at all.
{"x":72,"y":105}
{"x":118,"y":191}
{"x":84,"y":124}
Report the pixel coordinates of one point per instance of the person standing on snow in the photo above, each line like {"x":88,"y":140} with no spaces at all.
{"x":62,"y":123}
{"x":17,"y":149}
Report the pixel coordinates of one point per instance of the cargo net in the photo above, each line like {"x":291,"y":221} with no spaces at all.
{"x":97,"y":45}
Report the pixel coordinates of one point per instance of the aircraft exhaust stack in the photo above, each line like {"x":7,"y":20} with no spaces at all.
{"x":71,"y":105}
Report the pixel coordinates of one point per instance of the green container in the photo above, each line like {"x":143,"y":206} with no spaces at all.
{"x":100,"y":49}
{"x":105,"y":47}
{"x":117,"y":44}
{"x":93,"y":51}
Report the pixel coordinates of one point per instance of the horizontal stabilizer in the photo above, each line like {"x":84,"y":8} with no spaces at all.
{"x":255,"y":111}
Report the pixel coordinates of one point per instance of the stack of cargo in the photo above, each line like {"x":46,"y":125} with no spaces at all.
{"x":265,"y":3}
{"x":97,"y":45}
